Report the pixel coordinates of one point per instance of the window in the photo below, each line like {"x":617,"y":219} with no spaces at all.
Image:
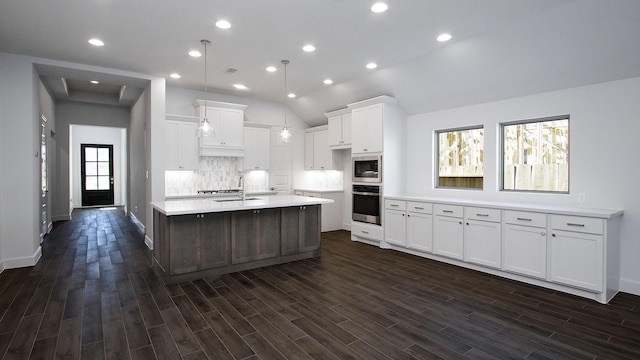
{"x":460,"y":158}
{"x":535,"y":155}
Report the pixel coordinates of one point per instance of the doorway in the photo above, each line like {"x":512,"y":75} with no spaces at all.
{"x":96,"y":171}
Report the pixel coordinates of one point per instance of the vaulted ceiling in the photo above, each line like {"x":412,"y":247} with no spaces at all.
{"x":499,"y":49}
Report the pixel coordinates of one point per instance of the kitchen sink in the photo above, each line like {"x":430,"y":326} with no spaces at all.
{"x":237,"y":199}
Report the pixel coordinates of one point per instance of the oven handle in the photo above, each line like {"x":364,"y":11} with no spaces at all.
{"x":365,"y":193}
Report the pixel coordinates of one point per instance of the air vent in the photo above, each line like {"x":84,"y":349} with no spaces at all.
{"x":230,"y":70}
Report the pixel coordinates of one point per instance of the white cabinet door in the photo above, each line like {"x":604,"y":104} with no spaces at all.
{"x":420,"y":231}
{"x":232,"y":127}
{"x":321,"y":151}
{"x":525,"y":250}
{"x":335,"y":130}
{"x":448,"y":236}
{"x":308,"y":151}
{"x":340,"y":131}
{"x":482,"y":243}
{"x":182,"y":145}
{"x":227,"y":125}
{"x":215,"y":138}
{"x":367,"y":129}
{"x":256,"y":149}
{"x":395,"y":227}
{"x":577,"y":259}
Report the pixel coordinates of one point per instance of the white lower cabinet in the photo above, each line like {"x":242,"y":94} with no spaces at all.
{"x":577,"y":251}
{"x":395,"y":219}
{"x":448,"y":231}
{"x":556,"y":248}
{"x":482,"y":236}
{"x":420,"y":226}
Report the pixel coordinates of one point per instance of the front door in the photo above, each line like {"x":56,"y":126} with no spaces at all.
{"x":97,"y":174}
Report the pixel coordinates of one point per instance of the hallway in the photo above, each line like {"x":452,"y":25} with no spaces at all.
{"x":93,"y":295}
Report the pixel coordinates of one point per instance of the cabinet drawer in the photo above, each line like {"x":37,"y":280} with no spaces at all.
{"x":577,"y":224}
{"x":448,"y":210}
{"x":395,"y":205}
{"x":482,"y":214}
{"x":526,"y":218}
{"x":366,"y":231}
{"x":419,"y":207}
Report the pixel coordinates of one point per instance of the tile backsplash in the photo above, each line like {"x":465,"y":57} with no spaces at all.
{"x":215,"y":173}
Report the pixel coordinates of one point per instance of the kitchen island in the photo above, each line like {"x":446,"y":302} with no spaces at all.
{"x":199,"y":238}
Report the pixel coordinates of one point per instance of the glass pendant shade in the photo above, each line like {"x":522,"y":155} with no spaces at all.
{"x":285,"y":134}
{"x":205,"y":128}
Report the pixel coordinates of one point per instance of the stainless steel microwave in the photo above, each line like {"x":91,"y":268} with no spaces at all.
{"x":367,"y":169}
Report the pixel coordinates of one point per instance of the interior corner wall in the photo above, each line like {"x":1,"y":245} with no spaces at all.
{"x":74,"y":113}
{"x":603,"y":146}
{"x":19,"y":158}
{"x":137,"y":197}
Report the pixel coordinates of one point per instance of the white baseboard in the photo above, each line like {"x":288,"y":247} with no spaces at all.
{"x":61,"y":218}
{"x":630,"y":286}
{"x":22,"y":261}
{"x":148,"y":242}
{"x":346,"y":226}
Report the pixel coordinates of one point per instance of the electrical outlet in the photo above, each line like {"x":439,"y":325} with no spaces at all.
{"x":582,"y":197}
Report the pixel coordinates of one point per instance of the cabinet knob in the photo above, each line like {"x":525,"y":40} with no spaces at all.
{"x":460,"y":222}
{"x":543,"y":233}
{"x":554,"y":235}
{"x":467,"y":223}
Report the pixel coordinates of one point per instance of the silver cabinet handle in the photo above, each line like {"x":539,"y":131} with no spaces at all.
{"x":394,"y":205}
{"x":524,"y":219}
{"x":364,"y":232}
{"x":575,"y":224}
{"x":543,"y":233}
{"x":483,"y":215}
{"x":418,"y":208}
{"x":448,"y":211}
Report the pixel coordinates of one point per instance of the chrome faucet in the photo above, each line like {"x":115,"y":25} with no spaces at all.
{"x":241,"y":186}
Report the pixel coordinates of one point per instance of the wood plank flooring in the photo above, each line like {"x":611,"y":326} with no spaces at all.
{"x":93,"y":295}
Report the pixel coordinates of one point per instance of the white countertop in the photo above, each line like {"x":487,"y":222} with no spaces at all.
{"x":550,"y":209}
{"x":208,"y":205}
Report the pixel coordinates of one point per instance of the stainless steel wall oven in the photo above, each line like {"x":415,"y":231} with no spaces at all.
{"x":367,"y":200}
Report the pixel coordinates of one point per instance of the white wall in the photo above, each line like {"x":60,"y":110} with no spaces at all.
{"x":71,"y":113}
{"x":82,"y":134}
{"x":20,"y":162}
{"x":604,"y":128}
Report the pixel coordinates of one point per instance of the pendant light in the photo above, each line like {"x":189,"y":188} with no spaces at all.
{"x":205,"y":128}
{"x":285,"y":134}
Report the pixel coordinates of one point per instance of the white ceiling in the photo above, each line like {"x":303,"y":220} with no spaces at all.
{"x":500,"y":48}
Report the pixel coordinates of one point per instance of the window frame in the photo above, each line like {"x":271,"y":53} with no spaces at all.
{"x":502,"y":154}
{"x":437,"y":156}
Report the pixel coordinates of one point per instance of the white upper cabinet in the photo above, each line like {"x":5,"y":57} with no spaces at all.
{"x":227,"y":122}
{"x":317,"y":155}
{"x":256,"y":148}
{"x":367,"y":129}
{"x":339,"y":129}
{"x":181,"y":143}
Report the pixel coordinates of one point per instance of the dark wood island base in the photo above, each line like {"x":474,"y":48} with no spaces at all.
{"x":195,"y":246}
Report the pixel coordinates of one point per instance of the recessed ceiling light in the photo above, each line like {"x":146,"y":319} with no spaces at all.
{"x":175,"y":76}
{"x":96,"y":42}
{"x":195,"y":53}
{"x":223,"y":24}
{"x":309,"y":48}
{"x":372,"y":65}
{"x":240,"y":87}
{"x":328,"y":81}
{"x":291,"y":95}
{"x":272,"y":69}
{"x":379,"y":7}
{"x":444,"y":37}
{"x":94,"y":82}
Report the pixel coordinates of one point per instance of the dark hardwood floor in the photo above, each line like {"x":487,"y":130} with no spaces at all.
{"x":93,"y":295}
